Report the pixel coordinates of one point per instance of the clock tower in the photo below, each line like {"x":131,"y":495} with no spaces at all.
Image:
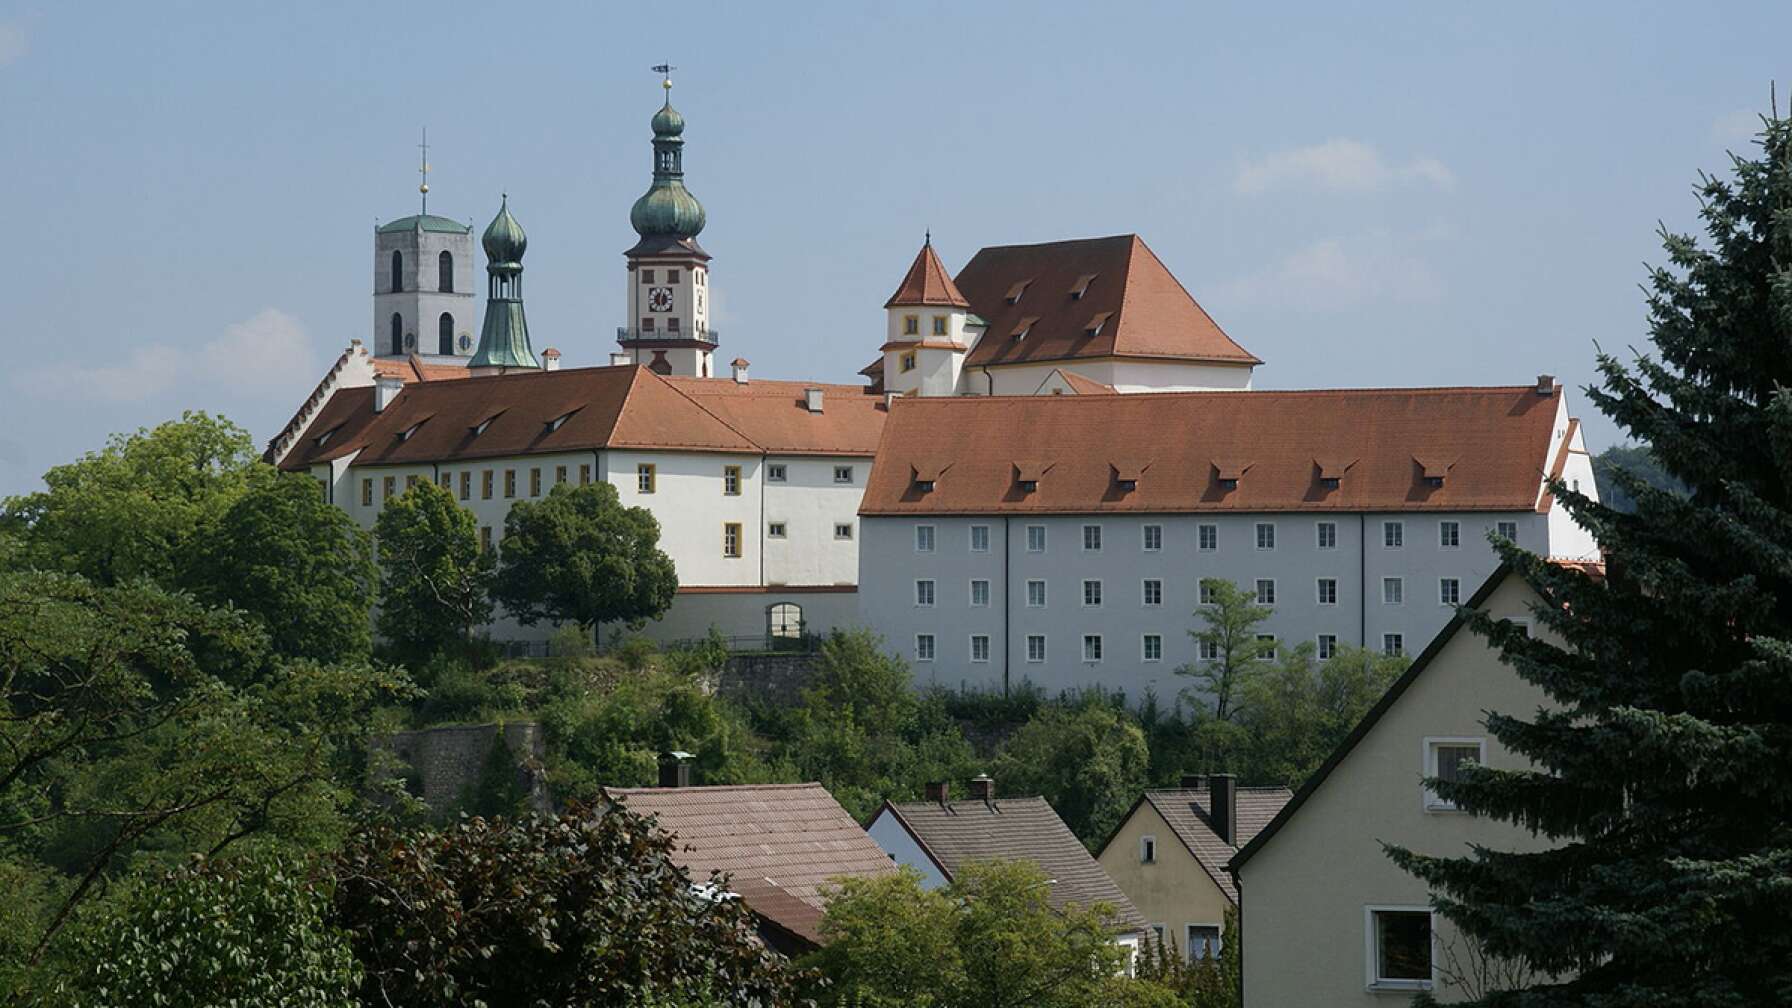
{"x":668,"y":272}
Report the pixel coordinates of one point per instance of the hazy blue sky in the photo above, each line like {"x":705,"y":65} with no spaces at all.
{"x":1389,"y":194}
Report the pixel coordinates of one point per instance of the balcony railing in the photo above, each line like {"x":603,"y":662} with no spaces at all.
{"x":710,"y":336}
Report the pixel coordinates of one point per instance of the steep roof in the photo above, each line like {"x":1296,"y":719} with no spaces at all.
{"x":1460,"y":449}
{"x":583,"y":409}
{"x":927,"y":284}
{"x":1019,"y":829}
{"x":780,"y":843}
{"x":413,"y":368}
{"x":1182,"y":808}
{"x":1094,"y":297}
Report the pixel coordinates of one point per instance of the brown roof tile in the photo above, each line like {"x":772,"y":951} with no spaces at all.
{"x":1497,"y":439}
{"x":413,"y":368}
{"x":773,"y":415}
{"x":1184,"y":810}
{"x":927,"y":284}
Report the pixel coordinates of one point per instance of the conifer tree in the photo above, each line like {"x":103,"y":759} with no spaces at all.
{"x":1661,"y":772}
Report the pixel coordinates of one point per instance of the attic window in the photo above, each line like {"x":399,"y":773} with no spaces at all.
{"x":925,"y":486}
{"x":1095,"y":324}
{"x":1331,"y":471}
{"x":1127,"y":475}
{"x":559,"y":421}
{"x":1127,"y":485}
{"x":326,"y":435}
{"x":1024,"y":326}
{"x":408,"y":431}
{"x":1433,"y":469}
{"x":1014,"y":292}
{"x":926,"y":473}
{"x":1027,"y":474}
{"x":479,"y":427}
{"x":1028,"y":486}
{"x":1081,"y":286}
{"x":1229,"y":472}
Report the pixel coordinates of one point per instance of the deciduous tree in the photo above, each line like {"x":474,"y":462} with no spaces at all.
{"x":1088,"y":762}
{"x":1228,"y":632}
{"x":435,"y":581}
{"x":580,"y":556}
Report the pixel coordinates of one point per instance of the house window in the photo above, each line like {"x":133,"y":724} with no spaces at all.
{"x":1266,"y":535}
{"x":466,"y":484}
{"x":367,"y":493}
{"x":1268,"y":640}
{"x":731,"y":540}
{"x":509,"y":483}
{"x":1328,"y":591}
{"x":1208,"y":592}
{"x":1449,"y":591}
{"x":1036,"y":594}
{"x":907,"y":361}
{"x":645,"y":478}
{"x":843,"y":474}
{"x":1091,"y":537}
{"x":1092,"y":647}
{"x":939,"y":325}
{"x":1444,"y":759}
{"x":1393,"y":534}
{"x":585,"y":474}
{"x":843,"y":530}
{"x":410,"y":481}
{"x":1393,"y":645}
{"x":1507,"y":530}
{"x":1147,"y":850}
{"x":647,"y":276}
{"x":924,"y":592}
{"x":388,"y":487}
{"x":485,"y":538}
{"x":559,"y":474}
{"x":1091,"y":592}
{"x":979,"y":647}
{"x":1399,"y":946}
{"x":731,"y":481}
{"x":979,"y":538}
{"x":924,"y":647}
{"x":1449,"y":534}
{"x":1207,"y":538}
{"x":1328,"y":646}
{"x":775,"y":530}
{"x":1154,"y":538}
{"x":1328,"y":535}
{"x":1266,"y":591}
{"x":1209,"y":651}
{"x":1153,"y":591}
{"x":775,"y":473}
{"x":1393,"y":591}
{"x":447,"y":480}
{"x":1152,"y":647}
{"x":911,"y":325}
{"x":1203,"y":941}
{"x":979,"y":592}
{"x":923,"y":538}
{"x":1035,"y":538}
{"x":1035,"y":647}
{"x":535,"y":482}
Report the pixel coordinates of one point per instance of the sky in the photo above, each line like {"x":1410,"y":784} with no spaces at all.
{"x":1391,"y":194}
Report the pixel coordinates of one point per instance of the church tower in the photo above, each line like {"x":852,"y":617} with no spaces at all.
{"x":931,"y":330}
{"x":668,"y":272}
{"x":423,"y":285}
{"x":504,"y":339}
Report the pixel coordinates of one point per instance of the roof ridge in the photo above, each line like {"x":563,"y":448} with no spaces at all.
{"x":1202,"y":393}
{"x":701,"y":788}
{"x":706,"y":411}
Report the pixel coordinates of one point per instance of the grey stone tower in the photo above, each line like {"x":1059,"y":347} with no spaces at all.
{"x":423,"y":288}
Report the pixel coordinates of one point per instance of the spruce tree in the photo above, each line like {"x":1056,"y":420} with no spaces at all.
{"x":1663,"y":774}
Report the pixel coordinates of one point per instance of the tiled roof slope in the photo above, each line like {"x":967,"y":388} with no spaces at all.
{"x":1146,"y":312}
{"x":414,"y":368}
{"x":603,"y":407}
{"x":927,"y":284}
{"x":788,"y":838}
{"x":1017,"y":829}
{"x":1184,"y":810}
{"x":1490,"y":444}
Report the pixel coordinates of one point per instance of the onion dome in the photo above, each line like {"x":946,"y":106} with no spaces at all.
{"x":504,"y":240}
{"x":667,"y":211}
{"x":667,"y":122}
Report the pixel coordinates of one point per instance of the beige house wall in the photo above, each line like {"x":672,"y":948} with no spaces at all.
{"x":1306,"y":891}
{"x":1174,"y":891}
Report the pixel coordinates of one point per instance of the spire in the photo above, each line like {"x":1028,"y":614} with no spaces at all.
{"x":667,"y":214}
{"x":423,"y":169}
{"x":504,"y":339}
{"x":927,"y":283}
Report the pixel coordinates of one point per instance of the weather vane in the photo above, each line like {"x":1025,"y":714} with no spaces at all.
{"x":665,"y":71}
{"x":423,"y":169}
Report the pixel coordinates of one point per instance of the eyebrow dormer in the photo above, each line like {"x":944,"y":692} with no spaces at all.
{"x":1227,"y":472}
{"x":1433,"y":468}
{"x":1096,"y":322}
{"x":1027,"y":474}
{"x":927,"y":474}
{"x":478,"y":426}
{"x":1081,"y":286}
{"x":1332,"y":470}
{"x":1024,"y":326}
{"x":1014,"y":292}
{"x":1127,"y":474}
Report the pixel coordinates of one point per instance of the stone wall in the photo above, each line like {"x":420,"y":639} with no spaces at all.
{"x":443,"y":765}
{"x":774,"y":678}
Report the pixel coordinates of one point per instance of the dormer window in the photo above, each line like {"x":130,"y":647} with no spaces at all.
{"x":1014,"y":292}
{"x":1127,"y":475}
{"x":925,"y":486}
{"x":560,"y":421}
{"x":1024,"y":326}
{"x":1096,"y":323}
{"x":408,"y":431}
{"x":1027,"y":475}
{"x":1081,"y":286}
{"x":1432,"y":470}
{"x":1127,"y":485}
{"x":926,"y":473}
{"x":1331,"y":471}
{"x":484,"y":422}
{"x":1028,"y":486}
{"x":1229,"y":472}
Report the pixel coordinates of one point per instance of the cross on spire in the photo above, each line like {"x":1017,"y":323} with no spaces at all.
{"x":423,"y":170}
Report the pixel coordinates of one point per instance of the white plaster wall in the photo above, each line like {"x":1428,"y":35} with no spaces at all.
{"x":1567,"y":537}
{"x":902,"y":848}
{"x":691,"y":508}
{"x":810,"y":504}
{"x":1125,"y":375}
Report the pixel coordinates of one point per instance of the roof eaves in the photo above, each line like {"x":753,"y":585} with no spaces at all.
{"x":915,"y":835}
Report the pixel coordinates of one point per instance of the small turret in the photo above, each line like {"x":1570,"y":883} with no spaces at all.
{"x":931,"y":330}
{"x":504,"y":339}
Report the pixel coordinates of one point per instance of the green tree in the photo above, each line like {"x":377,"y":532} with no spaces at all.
{"x":1229,"y":632}
{"x":1659,"y":769}
{"x":435,"y":581}
{"x":1088,"y":762}
{"x":1635,"y":459}
{"x":247,"y":932}
{"x":585,"y":909}
{"x":135,"y":508}
{"x":297,"y":563}
{"x":579,"y":556}
{"x":1299,"y":709}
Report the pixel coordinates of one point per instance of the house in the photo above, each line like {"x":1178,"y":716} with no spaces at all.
{"x":1063,"y":539}
{"x":939,"y":836}
{"x":779,"y":844}
{"x":1325,"y":917}
{"x":1169,"y":855}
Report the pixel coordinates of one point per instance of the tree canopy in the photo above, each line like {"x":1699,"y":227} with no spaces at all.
{"x":435,"y":581}
{"x":579,"y":556}
{"x":1229,"y":617}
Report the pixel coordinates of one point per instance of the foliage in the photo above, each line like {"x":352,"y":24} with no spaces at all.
{"x":1203,"y":983}
{"x":585,"y":909}
{"x":1640,"y":463}
{"x":1657,"y":773}
{"x":435,"y":581}
{"x":579,"y":556}
{"x":1298,"y":710}
{"x":1088,"y":762}
{"x":1229,"y":631}
{"x":249,"y":932}
{"x":297,"y":563}
{"x":499,"y":789}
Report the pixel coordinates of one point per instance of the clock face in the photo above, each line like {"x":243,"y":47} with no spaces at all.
{"x":659,"y":299}
{"x":466,"y":342}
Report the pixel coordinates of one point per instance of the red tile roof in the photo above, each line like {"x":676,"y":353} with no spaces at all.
{"x":773,"y":416}
{"x":927,"y":284}
{"x":1095,"y":297}
{"x":1184,"y":445}
{"x":413,"y":368}
{"x":1085,"y":386}
{"x":1185,"y":811}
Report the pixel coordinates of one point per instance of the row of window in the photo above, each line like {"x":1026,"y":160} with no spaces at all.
{"x":647,"y":277}
{"x":1207,"y":537}
{"x":487,"y":483}
{"x":911,"y":325}
{"x":444,"y":272}
{"x":647,"y":477}
{"x":1151,"y":590}
{"x":1151,"y":647}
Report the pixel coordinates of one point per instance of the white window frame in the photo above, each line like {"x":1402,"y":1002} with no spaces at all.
{"x":1043,"y":598}
{"x":1319,"y":649}
{"x":1499,"y":528}
{"x":973,"y":536}
{"x":777,"y":530}
{"x":1145,"y":536}
{"x":1399,"y":586}
{"x":1091,"y":534}
{"x":1319,"y":531}
{"x":1204,"y":594}
{"x":1218,"y":946}
{"x":925,"y":538}
{"x":1202,"y":649}
{"x":1275,"y":644}
{"x":1145,"y":647}
{"x":1372,"y":980}
{"x":932,"y":647}
{"x":843,"y":531}
{"x":775,"y":472}
{"x":973,"y":645}
{"x":1087,"y":583}
{"x":1445,"y":523}
{"x":1148,"y":853}
{"x":1319,"y":591}
{"x":1207,"y":538}
{"x":972,"y":592}
{"x":843,"y":474}
{"x":1262,"y":527}
{"x":1398,"y":528}
{"x":1257,"y":590}
{"x":1428,"y":761}
{"x":1399,"y":651}
{"x":1041,"y":639}
{"x":1032,"y":529}
{"x":1441,"y":582}
{"x":1145,"y":592}
{"x":1100,"y":646}
{"x":933,"y":593}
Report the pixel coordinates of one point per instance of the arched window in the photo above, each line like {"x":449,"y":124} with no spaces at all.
{"x":397,"y":270}
{"x":397,"y":333}
{"x":783,"y":623}
{"x":445,"y":274}
{"x":445,"y":333}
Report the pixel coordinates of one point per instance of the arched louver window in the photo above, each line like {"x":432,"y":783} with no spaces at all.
{"x":445,"y":274}
{"x":397,"y":270}
{"x":397,"y":333}
{"x":445,"y":333}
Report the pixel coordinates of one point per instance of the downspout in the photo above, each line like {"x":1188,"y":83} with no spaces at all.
{"x":1007,"y":602}
{"x":762,"y":463}
{"x":989,"y":388}
{"x":1362,"y":576}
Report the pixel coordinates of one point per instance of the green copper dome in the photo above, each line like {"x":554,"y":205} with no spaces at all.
{"x":504,"y":240}
{"x":504,"y":338}
{"x":667,"y":210}
{"x":667,"y":122}
{"x":424,"y":222}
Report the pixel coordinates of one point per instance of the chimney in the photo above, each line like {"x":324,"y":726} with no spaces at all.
{"x":1546,"y":384}
{"x":983,"y":788}
{"x":939,"y":791}
{"x":385,"y":389}
{"x":740,"y":370}
{"x":1223,"y":810}
{"x":812,"y":399}
{"x":550,"y":359}
{"x":890,"y":397}
{"x":618,"y":358}
{"x":1193,"y":782}
{"x":675,"y":769}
